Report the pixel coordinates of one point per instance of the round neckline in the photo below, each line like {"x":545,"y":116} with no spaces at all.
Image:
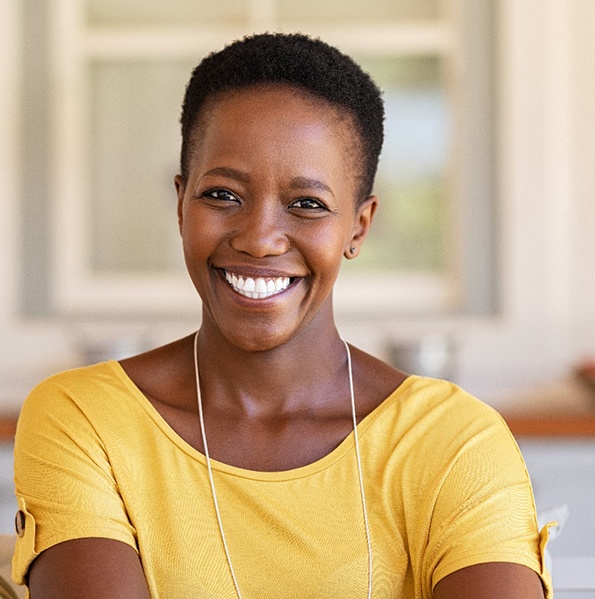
{"x":345,"y":447}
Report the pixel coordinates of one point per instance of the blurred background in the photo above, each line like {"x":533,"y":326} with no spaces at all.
{"x":481,"y":267}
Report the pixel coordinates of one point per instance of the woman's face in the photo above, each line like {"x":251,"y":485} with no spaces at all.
{"x":268,"y":212}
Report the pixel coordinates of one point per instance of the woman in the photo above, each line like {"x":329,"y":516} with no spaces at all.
{"x":229,"y":464}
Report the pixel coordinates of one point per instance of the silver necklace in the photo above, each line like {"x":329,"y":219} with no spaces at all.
{"x":212,"y":483}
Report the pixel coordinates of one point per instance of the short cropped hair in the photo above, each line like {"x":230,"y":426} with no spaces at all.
{"x":297,"y":60}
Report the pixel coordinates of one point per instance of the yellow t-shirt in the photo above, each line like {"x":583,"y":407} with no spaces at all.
{"x":445,"y":484}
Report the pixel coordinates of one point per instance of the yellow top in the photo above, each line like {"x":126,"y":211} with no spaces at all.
{"x":445,"y":483}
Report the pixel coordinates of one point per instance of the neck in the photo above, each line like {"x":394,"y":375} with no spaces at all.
{"x":263,"y":381}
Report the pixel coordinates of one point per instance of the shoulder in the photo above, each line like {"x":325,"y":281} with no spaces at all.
{"x":78,"y":383}
{"x":85,"y":418}
{"x":71,"y":400}
{"x":456,"y":435}
{"x":420,"y":401}
{"x":440,"y":423}
{"x":442,"y":402}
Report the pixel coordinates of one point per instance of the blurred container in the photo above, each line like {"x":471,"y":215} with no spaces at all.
{"x":94,"y":350}
{"x":429,"y":355}
{"x":585,"y":372}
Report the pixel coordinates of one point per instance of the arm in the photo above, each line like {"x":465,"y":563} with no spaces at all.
{"x":483,"y":519}
{"x":70,"y":502}
{"x":88,"y":568}
{"x":491,"y":581}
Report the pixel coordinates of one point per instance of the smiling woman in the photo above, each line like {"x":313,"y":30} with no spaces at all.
{"x":270,"y":196}
{"x":263,"y":456}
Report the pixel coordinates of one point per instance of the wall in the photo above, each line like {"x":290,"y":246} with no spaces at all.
{"x":582,"y":27}
{"x":547,"y":213}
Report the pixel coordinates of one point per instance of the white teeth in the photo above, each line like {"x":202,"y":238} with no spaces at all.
{"x":281,"y":283}
{"x":258,"y":288}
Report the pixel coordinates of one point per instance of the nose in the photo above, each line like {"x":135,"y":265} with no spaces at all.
{"x":260,"y":231}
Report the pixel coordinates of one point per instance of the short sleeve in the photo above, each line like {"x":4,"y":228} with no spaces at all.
{"x":485,"y":510}
{"x":64,"y":483}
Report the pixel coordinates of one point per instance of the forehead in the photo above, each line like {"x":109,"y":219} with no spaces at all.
{"x":260,"y":105}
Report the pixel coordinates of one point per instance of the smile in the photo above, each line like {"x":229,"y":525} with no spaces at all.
{"x":257,"y":288}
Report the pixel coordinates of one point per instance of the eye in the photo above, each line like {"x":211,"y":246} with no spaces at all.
{"x":310,"y":204}
{"x":223,"y":195}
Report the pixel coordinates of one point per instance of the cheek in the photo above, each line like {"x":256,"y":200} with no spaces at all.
{"x":326,"y":248}
{"x":197,"y":239}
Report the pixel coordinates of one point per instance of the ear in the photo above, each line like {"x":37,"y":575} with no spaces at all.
{"x":180,"y":191}
{"x":361,"y":225}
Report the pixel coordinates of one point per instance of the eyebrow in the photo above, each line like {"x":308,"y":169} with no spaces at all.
{"x":230,"y":173}
{"x":307,"y":183}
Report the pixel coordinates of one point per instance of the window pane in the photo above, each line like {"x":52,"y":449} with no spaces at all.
{"x":173,"y":12}
{"x":133,"y":157}
{"x":409,"y":229}
{"x":315,"y":11}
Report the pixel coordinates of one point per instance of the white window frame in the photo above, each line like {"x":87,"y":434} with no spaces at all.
{"x":79,"y":290}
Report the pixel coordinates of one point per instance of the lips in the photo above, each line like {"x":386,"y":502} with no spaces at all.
{"x":257,"y":287}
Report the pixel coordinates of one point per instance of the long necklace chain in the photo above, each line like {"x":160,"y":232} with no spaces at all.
{"x":212,"y":483}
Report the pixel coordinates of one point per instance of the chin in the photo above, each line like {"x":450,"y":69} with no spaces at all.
{"x":260,"y":331}
{"x":259,"y":341}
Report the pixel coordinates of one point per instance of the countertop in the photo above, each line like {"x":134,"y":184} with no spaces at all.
{"x":565,"y":408}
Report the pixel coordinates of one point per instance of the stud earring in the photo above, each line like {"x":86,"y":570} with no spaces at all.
{"x":352,"y":250}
